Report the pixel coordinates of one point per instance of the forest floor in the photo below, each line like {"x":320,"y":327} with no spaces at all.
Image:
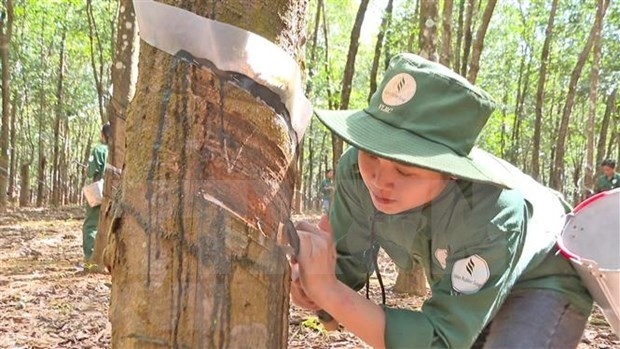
{"x":48,"y":302}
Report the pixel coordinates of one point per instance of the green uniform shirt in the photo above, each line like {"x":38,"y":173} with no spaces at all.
{"x":604,"y":183}
{"x":476,"y":243}
{"x":97,"y":161}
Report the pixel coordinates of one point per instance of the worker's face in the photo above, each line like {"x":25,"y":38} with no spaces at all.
{"x":330,"y":174}
{"x":608,"y":171}
{"x":395,"y":187}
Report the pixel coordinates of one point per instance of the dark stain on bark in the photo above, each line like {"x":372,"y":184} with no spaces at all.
{"x":220,"y":313}
{"x":261,"y":92}
{"x":180,"y":212}
{"x":166,"y":94}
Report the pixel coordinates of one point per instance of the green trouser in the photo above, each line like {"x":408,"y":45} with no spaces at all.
{"x":89,"y":231}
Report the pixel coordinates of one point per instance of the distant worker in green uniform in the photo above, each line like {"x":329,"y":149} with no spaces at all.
{"x":326,"y":189}
{"x":414,"y":184}
{"x":96,"y":167}
{"x":610,"y":179}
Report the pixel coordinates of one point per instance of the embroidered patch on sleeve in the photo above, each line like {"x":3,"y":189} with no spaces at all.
{"x":441,"y":254}
{"x":470,"y":274}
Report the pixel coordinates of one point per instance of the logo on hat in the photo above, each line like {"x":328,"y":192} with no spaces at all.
{"x":399,"y":90}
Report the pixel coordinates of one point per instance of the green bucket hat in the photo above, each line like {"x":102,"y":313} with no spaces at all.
{"x":423,"y":114}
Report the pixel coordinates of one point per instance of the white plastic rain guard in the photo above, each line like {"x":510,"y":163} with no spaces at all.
{"x":591,"y":241}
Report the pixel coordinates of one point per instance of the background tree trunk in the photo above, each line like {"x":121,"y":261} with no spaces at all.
{"x":540,"y":92}
{"x":602,"y":139}
{"x":24,"y":193}
{"x":330,"y":94}
{"x":208,"y":178}
{"x":522,"y":90}
{"x":429,"y":12}
{"x":310,"y":179}
{"x":385,"y":23}
{"x":96,"y":59}
{"x":456,"y":66}
{"x":557,"y":177}
{"x":347,"y":78}
{"x":6,"y":29}
{"x":474,"y":63}
{"x":590,"y":166}
{"x":56,"y":182}
{"x":12,"y":185}
{"x":617,"y":140}
{"x":445,"y":56}
{"x":467,"y":36}
{"x":298,"y":201}
{"x":42,"y":160}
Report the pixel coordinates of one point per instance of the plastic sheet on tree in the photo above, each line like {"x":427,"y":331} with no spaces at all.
{"x":229,"y":48}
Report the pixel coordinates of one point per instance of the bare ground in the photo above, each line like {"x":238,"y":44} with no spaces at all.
{"x":47,"y":302}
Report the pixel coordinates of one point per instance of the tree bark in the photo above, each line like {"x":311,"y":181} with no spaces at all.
{"x":124,"y":76}
{"x":13,"y":155}
{"x":84,"y":164}
{"x":411,"y":282}
{"x":330,"y":94}
{"x":312,"y":49}
{"x":467,"y":36}
{"x":41,"y":158}
{"x":602,"y":139}
{"x":310,"y":179}
{"x":349,"y":69}
{"x":65,"y":155}
{"x":24,"y":193}
{"x":385,"y":24}
{"x":474,"y":64}
{"x":298,"y":201}
{"x":208,"y":178}
{"x":56,"y":183}
{"x":616,"y":133}
{"x":590,"y":166}
{"x":412,"y":38}
{"x":297,"y":195}
{"x":429,"y":13}
{"x":459,"y":37}
{"x":540,"y":91}
{"x":445,"y":56}
{"x":347,"y":78}
{"x":523,"y":83}
{"x":6,"y":29}
{"x":96,"y":58}
{"x":558,"y":167}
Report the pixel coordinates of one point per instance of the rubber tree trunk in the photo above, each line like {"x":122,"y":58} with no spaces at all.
{"x":208,"y":176}
{"x":6,"y":29}
{"x":540,"y":92}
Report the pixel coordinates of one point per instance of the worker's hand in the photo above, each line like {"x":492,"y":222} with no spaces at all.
{"x":298,"y":295}
{"x":316,"y":261}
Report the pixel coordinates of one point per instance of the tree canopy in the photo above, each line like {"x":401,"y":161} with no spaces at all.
{"x":60,"y":56}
